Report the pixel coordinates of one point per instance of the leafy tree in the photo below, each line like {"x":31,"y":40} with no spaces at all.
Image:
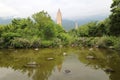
{"x":106,"y":23}
{"x":102,"y":28}
{"x":1,"y":29}
{"x":86,"y":30}
{"x":73,"y":32}
{"x":92,"y":31}
{"x":115,"y":18}
{"x":83,"y":31}
{"x":22,"y":23}
{"x":49,"y":31}
{"x":41,"y":18}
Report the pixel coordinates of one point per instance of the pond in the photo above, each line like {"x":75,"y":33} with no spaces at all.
{"x":59,"y":64}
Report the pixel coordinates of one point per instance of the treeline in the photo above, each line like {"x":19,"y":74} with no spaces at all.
{"x":40,"y":31}
{"x":105,"y":34}
{"x":109,"y":26}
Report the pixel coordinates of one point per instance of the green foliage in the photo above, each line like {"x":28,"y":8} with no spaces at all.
{"x":35,"y":42}
{"x":65,"y":38}
{"x":41,"y":31}
{"x":22,"y":23}
{"x":109,"y":42}
{"x":1,"y":42}
{"x":20,"y":43}
{"x":86,"y":41}
{"x":115,"y":18}
{"x":46,"y":44}
{"x":83,"y":31}
{"x":92,"y":29}
{"x":73,"y":32}
{"x":57,"y":42}
{"x":1,"y":29}
{"x":38,"y":31}
{"x":101,"y":42}
{"x":49,"y":31}
{"x":105,"y":42}
{"x":101,"y":29}
{"x":117,"y":43}
{"x":9,"y":36}
{"x":41,"y":18}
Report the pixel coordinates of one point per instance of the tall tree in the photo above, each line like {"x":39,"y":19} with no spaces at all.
{"x":41,"y":18}
{"x":115,"y":18}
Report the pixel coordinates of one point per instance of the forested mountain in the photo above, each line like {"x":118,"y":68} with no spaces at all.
{"x":6,"y":20}
{"x":70,"y":24}
{"x":67,"y":24}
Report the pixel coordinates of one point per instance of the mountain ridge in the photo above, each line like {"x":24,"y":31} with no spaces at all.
{"x":66,"y":23}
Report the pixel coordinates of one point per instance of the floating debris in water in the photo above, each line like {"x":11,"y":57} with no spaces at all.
{"x":31,"y":65}
{"x":50,"y":59}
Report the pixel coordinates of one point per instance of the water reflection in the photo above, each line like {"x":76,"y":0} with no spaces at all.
{"x":51,"y":64}
{"x":104,"y":59}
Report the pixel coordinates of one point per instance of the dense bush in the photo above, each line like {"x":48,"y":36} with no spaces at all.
{"x":105,"y":42}
{"x":46,"y":44}
{"x":38,"y":31}
{"x":20,"y":43}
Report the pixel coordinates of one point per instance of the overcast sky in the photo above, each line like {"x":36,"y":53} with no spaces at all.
{"x":71,"y":9}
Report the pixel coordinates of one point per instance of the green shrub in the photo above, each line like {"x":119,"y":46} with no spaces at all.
{"x":46,"y":44}
{"x":1,"y":42}
{"x":56,"y":42}
{"x":65,"y":38}
{"x":20,"y":43}
{"x":117,"y":43}
{"x":105,"y":42}
{"x":35,"y":42}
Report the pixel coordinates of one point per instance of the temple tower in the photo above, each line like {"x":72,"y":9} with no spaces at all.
{"x":76,"y":25}
{"x":59,"y":18}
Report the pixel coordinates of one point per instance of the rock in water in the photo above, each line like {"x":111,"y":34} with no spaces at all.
{"x":109,"y":70}
{"x":64,"y":54}
{"x":111,"y":47}
{"x":90,"y":57}
{"x":90,"y":49}
{"x":36,"y":49}
{"x":32,"y":63}
{"x":30,"y":66}
{"x":67,"y":71}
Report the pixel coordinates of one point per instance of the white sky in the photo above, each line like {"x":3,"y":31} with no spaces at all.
{"x":71,"y":9}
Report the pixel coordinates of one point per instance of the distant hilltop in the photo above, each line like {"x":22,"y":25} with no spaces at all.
{"x":6,"y":20}
{"x":66,"y":23}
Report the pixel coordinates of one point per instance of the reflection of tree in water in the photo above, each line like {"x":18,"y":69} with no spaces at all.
{"x":43,"y":72}
{"x":17,"y":60}
{"x":115,"y":65}
{"x":104,"y":59}
{"x":59,"y":66}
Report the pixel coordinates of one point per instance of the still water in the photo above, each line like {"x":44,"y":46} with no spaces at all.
{"x":59,"y":64}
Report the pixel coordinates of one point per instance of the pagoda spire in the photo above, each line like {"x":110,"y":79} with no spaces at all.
{"x":76,"y":25}
{"x":59,"y":17}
